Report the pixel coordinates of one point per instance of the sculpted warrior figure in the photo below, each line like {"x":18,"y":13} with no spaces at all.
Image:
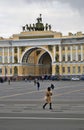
{"x":46,"y":26}
{"x":40,"y":18}
{"x":39,"y":26}
{"x":27,"y":28}
{"x":23,"y":28}
{"x":33,"y":27}
{"x":49,"y":27}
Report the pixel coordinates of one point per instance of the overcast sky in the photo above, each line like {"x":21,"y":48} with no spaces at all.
{"x":64,"y":15}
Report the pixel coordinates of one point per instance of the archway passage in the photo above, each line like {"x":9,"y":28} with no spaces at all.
{"x":36,"y":62}
{"x":45,"y":64}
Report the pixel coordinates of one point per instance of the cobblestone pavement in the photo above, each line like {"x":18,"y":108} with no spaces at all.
{"x":23,"y":97}
{"x":21,"y":106}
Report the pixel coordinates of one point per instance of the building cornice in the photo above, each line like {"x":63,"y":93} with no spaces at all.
{"x":42,"y":41}
{"x":30,"y":42}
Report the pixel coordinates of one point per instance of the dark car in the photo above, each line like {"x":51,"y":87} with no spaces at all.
{"x":82,"y":78}
{"x":1,"y":80}
{"x":65,"y":78}
{"x":54,"y":78}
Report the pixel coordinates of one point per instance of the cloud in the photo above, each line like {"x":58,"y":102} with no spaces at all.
{"x":63,"y":15}
{"x":75,"y":4}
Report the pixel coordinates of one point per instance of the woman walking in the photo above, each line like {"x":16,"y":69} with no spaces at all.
{"x":48,"y":98}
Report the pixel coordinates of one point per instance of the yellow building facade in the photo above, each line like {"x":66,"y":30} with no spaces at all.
{"x":42,"y":52}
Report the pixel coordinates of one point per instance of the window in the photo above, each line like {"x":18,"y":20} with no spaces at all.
{"x":6,"y":59}
{"x":79,"y":57}
{"x":57,"y":69}
{"x":5,"y":70}
{"x":10,"y":70}
{"x":63,"y":69}
{"x":74,"y":69}
{"x":15,"y":70}
{"x":0,"y":70}
{"x":63,"y":48}
{"x":68,"y":47}
{"x":15,"y":49}
{"x":57,"y":48}
{"x":10,"y":49}
{"x":15,"y":59}
{"x":74,"y":47}
{"x":57,"y":57}
{"x":10,"y":59}
{"x":22,"y":49}
{"x":68,"y":69}
{"x":69,"y":58}
{"x":74,"y":56}
{"x":5,"y":49}
{"x":79,"y":69}
{"x":79,"y":47}
{"x":83,"y":56}
{"x":0,"y":49}
{"x":83,"y":69}
{"x":63,"y":58}
{"x":0,"y":59}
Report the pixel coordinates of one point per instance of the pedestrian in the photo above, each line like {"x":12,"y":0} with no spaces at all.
{"x":52,"y":86}
{"x":38,"y":85}
{"x":42,"y":77}
{"x":9,"y":81}
{"x":35,"y":81}
{"x":48,"y":98}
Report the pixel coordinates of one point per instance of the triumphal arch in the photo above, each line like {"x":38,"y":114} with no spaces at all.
{"x":37,"y":51}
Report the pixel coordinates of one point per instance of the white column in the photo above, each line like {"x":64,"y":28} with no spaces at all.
{"x":8,"y":56}
{"x":60,"y":53}
{"x":54,"y":51}
{"x":18,"y":54}
{"x":3,"y":55}
{"x":12,"y":54}
{"x":65,"y":53}
{"x":81,"y":53}
{"x":71,"y":53}
{"x":76,"y":53}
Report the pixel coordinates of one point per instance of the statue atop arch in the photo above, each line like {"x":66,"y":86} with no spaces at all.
{"x":38,"y":26}
{"x":39,"y":19}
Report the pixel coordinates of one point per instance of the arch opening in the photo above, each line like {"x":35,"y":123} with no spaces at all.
{"x":36,"y":62}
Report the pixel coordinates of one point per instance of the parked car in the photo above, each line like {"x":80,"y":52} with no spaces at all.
{"x":82,"y":77}
{"x":75,"y":78}
{"x":1,"y":80}
{"x":65,"y":78}
{"x":54,"y":77}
